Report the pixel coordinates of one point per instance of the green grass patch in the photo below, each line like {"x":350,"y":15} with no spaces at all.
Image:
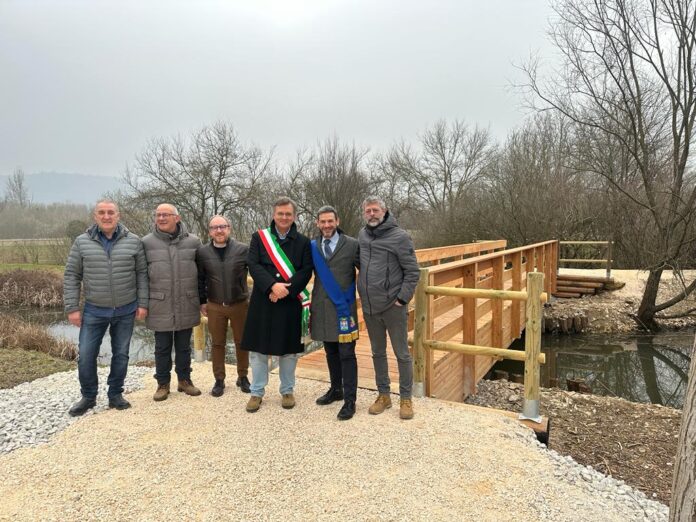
{"x":20,"y":366}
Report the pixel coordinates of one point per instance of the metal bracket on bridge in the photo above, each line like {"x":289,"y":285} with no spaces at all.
{"x":530,"y":411}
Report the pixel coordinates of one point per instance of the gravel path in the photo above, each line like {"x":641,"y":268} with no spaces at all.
{"x":201,"y":458}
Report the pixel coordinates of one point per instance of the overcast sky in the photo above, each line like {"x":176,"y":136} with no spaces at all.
{"x":84,"y":85}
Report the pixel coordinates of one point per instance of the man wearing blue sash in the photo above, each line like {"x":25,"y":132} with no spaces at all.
{"x":334,"y":312}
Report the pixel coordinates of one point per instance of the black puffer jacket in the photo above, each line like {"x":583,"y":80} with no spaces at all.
{"x":388,"y":266}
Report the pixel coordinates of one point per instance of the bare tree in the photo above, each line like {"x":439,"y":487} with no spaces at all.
{"x":332,"y":174}
{"x":210,"y":172}
{"x":451,"y":159}
{"x":16,"y":190}
{"x":628,"y":77}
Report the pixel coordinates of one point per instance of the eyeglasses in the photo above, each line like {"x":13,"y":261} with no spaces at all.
{"x":163,"y":215}
{"x":218,"y":227}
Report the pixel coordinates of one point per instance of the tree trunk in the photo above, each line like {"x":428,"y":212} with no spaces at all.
{"x":646,"y":310}
{"x":683,"y":505}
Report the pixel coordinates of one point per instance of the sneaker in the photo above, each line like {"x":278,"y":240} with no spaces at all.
{"x":382,"y":402}
{"x":218,"y":388}
{"x":288,"y":401}
{"x":406,"y":409}
{"x":330,"y":396}
{"x":254,"y":404}
{"x":243,"y":384}
{"x":118,"y":402}
{"x":188,"y":388}
{"x":81,"y":406}
{"x":162,"y":392}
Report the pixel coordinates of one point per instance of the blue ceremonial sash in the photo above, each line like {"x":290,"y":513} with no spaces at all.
{"x":342,"y":300}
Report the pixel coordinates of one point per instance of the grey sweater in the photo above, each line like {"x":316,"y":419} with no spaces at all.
{"x":108,"y":281}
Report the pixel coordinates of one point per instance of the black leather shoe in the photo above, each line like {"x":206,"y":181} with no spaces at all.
{"x":347,"y":410}
{"x":118,"y":402}
{"x":81,"y":407}
{"x":330,"y":396}
{"x":219,"y":388}
{"x":244,"y":384}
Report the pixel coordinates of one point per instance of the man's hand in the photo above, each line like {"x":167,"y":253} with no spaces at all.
{"x":141,"y":313}
{"x":75,"y":318}
{"x":272,"y":297}
{"x":204,"y":310}
{"x":280,"y":290}
{"x":397,"y":303}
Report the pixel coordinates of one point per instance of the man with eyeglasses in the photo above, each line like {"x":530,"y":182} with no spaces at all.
{"x":174,"y":302}
{"x":106,"y":263}
{"x":222,"y":275}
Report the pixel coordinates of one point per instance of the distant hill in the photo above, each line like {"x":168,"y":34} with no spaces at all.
{"x":59,"y":187}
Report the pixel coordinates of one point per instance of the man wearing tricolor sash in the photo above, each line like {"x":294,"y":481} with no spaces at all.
{"x":334,"y":312}
{"x":280,"y":263}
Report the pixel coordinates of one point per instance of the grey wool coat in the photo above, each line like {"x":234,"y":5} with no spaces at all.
{"x":171,"y":267}
{"x":343,"y":262}
{"x":108,"y":281}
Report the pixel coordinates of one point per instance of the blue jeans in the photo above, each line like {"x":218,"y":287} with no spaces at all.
{"x":259,"y":373}
{"x":91,"y":334}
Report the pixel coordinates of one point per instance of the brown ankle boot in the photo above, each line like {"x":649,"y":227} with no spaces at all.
{"x":188,"y":388}
{"x":162,"y":392}
{"x":382,"y":402}
{"x":406,"y":409}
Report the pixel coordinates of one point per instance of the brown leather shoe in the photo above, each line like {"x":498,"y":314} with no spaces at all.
{"x":254,"y":404}
{"x":188,"y":388}
{"x":288,"y":401}
{"x":406,"y":409}
{"x":162,"y":392}
{"x":382,"y":403}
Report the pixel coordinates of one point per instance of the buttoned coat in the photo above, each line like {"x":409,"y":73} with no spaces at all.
{"x":171,"y":267}
{"x":342,"y":263}
{"x":276,"y":328}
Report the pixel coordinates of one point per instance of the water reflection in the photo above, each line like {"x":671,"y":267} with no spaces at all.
{"x":641,"y":368}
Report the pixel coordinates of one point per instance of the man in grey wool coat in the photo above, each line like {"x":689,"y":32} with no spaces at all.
{"x":174,"y":302}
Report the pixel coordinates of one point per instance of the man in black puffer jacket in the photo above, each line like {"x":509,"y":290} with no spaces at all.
{"x":108,"y":263}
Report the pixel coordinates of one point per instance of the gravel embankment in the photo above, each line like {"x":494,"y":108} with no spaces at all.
{"x":203,"y":458}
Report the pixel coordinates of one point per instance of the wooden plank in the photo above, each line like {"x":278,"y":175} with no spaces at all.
{"x":497,"y":305}
{"x":516,"y":272}
{"x":566,"y":295}
{"x":575,"y":289}
{"x":571,"y":282}
{"x":590,"y":279}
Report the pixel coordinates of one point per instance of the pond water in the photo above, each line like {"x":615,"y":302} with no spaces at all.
{"x":639,"y":367}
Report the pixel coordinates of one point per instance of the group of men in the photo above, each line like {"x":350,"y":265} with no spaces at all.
{"x":169,"y":278}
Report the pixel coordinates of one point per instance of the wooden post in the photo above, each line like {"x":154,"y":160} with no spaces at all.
{"x":683,"y":504}
{"x":532,"y":347}
{"x":609,"y":249}
{"x":515,"y":306}
{"x":469,"y":329}
{"x":419,"y":327}
{"x":199,"y":343}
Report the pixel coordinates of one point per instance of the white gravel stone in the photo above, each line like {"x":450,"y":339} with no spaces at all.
{"x":204,"y":458}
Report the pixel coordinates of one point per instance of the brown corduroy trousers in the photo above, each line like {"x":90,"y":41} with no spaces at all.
{"x":218,"y":318}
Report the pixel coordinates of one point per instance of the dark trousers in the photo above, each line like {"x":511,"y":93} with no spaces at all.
{"x":181,"y":340}
{"x":219,"y":316}
{"x":343,"y":367}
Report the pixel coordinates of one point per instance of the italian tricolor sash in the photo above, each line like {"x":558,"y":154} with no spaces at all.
{"x":286,"y":270}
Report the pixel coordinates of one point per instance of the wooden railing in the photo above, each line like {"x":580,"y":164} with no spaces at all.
{"x":602,"y":247}
{"x":479,"y":321}
{"x":532,"y":356}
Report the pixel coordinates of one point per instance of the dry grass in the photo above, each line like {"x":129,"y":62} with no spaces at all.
{"x":31,"y":288}
{"x":18,"y":334}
